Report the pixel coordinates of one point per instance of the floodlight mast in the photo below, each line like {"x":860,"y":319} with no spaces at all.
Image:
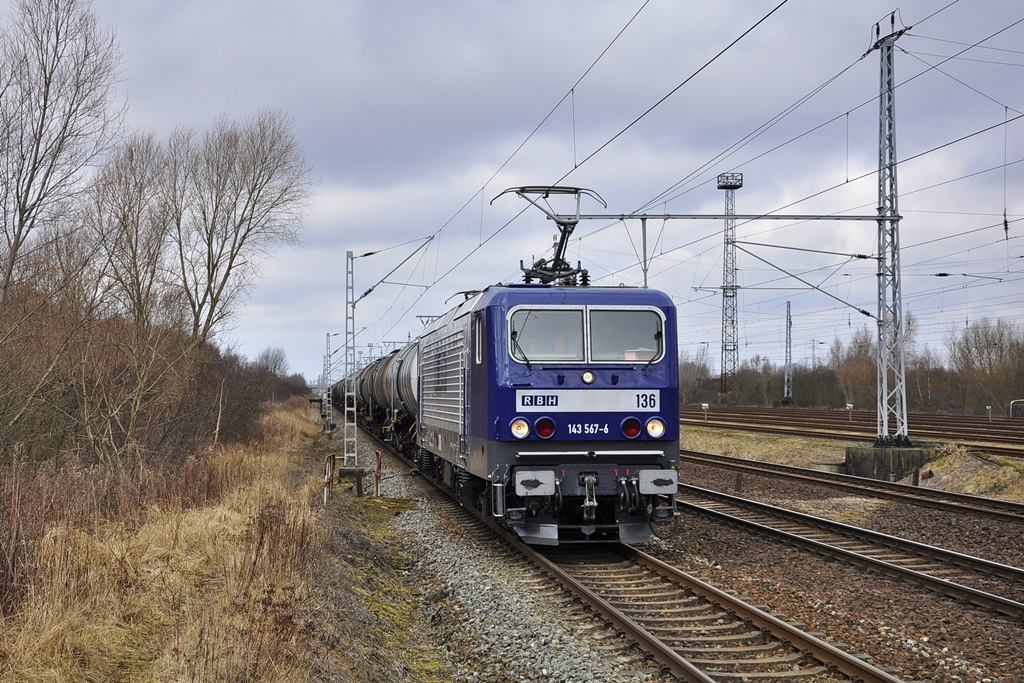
{"x":555,"y":268}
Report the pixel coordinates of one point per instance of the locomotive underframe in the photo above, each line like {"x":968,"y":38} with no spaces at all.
{"x":593,"y":492}
{"x":589,"y":501}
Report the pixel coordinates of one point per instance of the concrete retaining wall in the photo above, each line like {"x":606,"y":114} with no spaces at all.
{"x":887,"y":464}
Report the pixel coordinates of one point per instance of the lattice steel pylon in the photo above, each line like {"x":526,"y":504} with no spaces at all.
{"x":326,"y":409}
{"x":892,"y":388}
{"x":787,"y":390}
{"x":349,"y":366}
{"x":730,"y":182}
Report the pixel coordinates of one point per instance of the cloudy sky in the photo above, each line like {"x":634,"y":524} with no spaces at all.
{"x":415,"y":115}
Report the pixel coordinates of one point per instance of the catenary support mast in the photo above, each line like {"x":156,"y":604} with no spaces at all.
{"x":348,"y":385}
{"x":326,"y":410}
{"x":787,"y":391}
{"x":730,"y":182}
{"x":892,"y":389}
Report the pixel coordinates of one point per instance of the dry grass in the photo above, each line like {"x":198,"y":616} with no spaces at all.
{"x":201,"y":582}
{"x":785,"y":450}
{"x":231,"y":570}
{"x":980,"y":474}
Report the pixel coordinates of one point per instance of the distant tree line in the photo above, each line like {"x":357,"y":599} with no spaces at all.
{"x":983,"y":366}
{"x":122,"y":255}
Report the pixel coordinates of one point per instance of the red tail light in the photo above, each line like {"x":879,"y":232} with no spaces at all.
{"x":545,"y":427}
{"x":631,"y":427}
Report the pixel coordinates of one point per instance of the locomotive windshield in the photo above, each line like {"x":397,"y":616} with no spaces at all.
{"x":625,"y":335}
{"x":547,"y":334}
{"x":558,"y":334}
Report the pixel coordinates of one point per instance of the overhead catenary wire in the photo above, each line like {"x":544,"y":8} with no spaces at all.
{"x":673,"y":91}
{"x":576,"y":164}
{"x":742,"y":142}
{"x":662,"y":100}
{"x":461,"y":261}
{"x":480,"y":193}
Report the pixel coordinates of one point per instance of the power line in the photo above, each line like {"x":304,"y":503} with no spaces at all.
{"x":601,"y":147}
{"x":673,"y":90}
{"x":613,"y":138}
{"x":750,"y":137}
{"x":955,"y":42}
{"x":778,"y":117}
{"x":480,"y":193}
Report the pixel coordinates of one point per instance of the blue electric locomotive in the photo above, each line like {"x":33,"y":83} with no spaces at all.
{"x":555,"y":409}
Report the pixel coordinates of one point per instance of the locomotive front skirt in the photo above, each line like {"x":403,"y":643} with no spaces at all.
{"x":554,"y":409}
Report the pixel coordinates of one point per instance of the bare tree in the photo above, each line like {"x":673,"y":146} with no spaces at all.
{"x":49,"y":320}
{"x":694,"y":373}
{"x":130,"y":365}
{"x":854,"y":367}
{"x":988,"y":360}
{"x":757,"y":382}
{"x":59,"y":71}
{"x":272,"y":361}
{"x":929,"y":383}
{"x":232,"y":197}
{"x":125,"y":217}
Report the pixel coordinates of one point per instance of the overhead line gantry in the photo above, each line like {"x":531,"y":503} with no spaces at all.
{"x":729,"y":286}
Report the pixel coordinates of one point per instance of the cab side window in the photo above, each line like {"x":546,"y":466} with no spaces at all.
{"x":478,"y":338}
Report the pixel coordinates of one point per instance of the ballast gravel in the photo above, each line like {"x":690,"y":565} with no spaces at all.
{"x":918,"y":634}
{"x":496,"y":621}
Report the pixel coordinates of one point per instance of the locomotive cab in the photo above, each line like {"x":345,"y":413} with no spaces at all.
{"x":554,"y":409}
{"x":581,"y":427}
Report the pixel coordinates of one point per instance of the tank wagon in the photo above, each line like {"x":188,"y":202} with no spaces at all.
{"x":554,"y":409}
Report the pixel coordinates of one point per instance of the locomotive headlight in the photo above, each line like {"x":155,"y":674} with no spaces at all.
{"x":655,"y":428}
{"x":520,"y":428}
{"x":588,"y":377}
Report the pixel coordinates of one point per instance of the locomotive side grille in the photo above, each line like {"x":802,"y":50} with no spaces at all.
{"x":443,"y":393}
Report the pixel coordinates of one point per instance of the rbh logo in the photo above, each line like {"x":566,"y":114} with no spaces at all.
{"x":539,"y":400}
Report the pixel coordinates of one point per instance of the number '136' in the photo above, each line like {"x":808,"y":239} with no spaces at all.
{"x":646,"y":400}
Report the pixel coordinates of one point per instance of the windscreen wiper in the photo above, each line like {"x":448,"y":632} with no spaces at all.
{"x":657,"y":338}
{"x":517,"y":347}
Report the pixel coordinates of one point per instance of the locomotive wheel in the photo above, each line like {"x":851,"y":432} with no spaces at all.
{"x":425,"y":461}
{"x":468,"y":489}
{"x":483,"y":502}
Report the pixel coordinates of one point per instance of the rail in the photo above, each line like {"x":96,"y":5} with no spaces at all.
{"x":936,"y":498}
{"x":994,"y":435}
{"x":803,"y":530}
{"x":645,"y":632}
{"x":648,"y":622}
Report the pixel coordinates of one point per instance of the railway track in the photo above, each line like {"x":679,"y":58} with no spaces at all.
{"x":934,"y":498}
{"x":955,"y":575}
{"x":699,"y":632}
{"x":695,"y":632}
{"x":998,"y":435}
